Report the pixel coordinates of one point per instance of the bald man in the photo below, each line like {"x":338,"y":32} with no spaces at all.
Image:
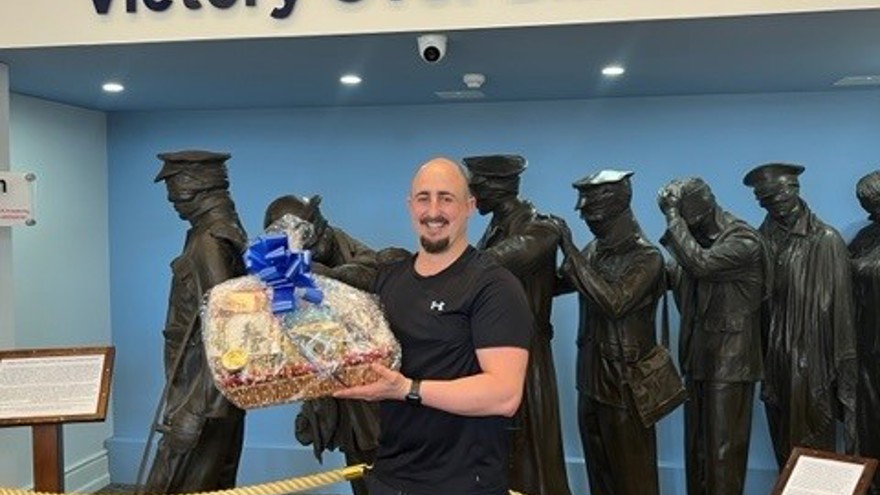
{"x":464,"y":325}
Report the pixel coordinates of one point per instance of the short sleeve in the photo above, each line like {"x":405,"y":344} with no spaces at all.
{"x":501,"y":315}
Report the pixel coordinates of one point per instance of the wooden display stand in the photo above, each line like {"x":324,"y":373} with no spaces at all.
{"x":825,"y":473}
{"x":45,"y":388}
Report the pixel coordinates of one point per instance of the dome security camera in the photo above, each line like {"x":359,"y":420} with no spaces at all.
{"x":432,"y":47}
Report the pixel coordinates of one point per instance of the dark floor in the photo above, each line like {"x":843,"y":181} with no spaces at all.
{"x":117,"y":488}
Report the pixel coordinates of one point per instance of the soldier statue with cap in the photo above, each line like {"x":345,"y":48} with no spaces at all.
{"x":810,"y":353}
{"x":718,"y":279}
{"x":327,"y":423}
{"x":202,"y":432}
{"x":335,"y":254}
{"x":525,"y":242}
{"x":619,"y":277}
{"x":865,"y":252}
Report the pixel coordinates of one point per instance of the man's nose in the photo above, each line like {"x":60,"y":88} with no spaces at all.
{"x":433,"y":206}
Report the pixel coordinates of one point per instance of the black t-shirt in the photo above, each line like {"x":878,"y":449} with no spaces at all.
{"x":440,"y":321}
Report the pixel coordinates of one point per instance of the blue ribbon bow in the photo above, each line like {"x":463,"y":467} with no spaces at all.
{"x":289,"y":273}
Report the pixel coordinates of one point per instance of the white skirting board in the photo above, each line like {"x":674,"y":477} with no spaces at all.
{"x":87,"y":475}
{"x":262,"y":464}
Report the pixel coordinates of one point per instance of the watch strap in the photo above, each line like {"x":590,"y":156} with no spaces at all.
{"x":414,"y":397}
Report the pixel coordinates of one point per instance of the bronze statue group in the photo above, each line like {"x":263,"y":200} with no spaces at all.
{"x":788,"y":305}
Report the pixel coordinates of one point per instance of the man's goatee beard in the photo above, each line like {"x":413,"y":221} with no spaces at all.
{"x":434,"y":247}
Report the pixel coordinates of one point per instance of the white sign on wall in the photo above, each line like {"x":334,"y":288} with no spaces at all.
{"x":16,"y":198}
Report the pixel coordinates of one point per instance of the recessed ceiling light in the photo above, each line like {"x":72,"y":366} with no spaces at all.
{"x":350,"y":79}
{"x":613,"y":71}
{"x":113,"y":87}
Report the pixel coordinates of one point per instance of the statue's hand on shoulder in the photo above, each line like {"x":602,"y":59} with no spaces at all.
{"x":564,"y":231}
{"x":358,"y":276}
{"x":322,"y":269}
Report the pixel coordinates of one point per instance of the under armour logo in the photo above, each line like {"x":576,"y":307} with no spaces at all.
{"x":438,"y":305}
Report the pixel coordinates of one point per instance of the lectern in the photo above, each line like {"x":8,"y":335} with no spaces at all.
{"x":46,"y":388}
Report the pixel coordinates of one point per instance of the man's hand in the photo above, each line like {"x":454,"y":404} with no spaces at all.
{"x":390,"y":385}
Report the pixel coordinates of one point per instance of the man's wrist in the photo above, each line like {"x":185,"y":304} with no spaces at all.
{"x":414,"y":395}
{"x":404,"y":389}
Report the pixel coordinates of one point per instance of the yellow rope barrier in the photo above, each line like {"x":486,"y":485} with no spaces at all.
{"x":291,"y":485}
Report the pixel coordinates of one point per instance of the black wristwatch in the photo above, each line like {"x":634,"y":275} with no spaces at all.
{"x":414,"y":397}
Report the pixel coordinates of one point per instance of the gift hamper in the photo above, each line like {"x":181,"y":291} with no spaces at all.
{"x":284,"y":334}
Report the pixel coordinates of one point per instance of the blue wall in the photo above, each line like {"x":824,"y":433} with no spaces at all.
{"x":362,"y":159}
{"x":61,"y":272}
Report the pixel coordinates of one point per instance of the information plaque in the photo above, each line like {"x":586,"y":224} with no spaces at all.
{"x":54,"y":385}
{"x":16,"y":198}
{"x":817,"y":472}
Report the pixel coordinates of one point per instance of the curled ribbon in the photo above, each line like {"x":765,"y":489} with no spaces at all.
{"x":289,"y":273}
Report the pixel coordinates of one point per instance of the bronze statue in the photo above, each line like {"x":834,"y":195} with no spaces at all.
{"x":352,"y":426}
{"x":202,"y":431}
{"x":392,"y":254}
{"x":810,"y":353}
{"x":525,"y":242}
{"x":620,"y":278}
{"x":718,"y":281}
{"x":865,"y":252}
{"x":335,"y":254}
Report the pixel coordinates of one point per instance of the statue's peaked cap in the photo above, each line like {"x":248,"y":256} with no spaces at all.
{"x":495,"y":165}
{"x":771,"y":172}
{"x":193,"y":161}
{"x":601,"y":177}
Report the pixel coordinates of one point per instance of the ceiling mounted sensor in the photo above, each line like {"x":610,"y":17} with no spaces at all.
{"x":873,"y":80}
{"x":474,"y":80}
{"x":467,"y":94}
{"x":432,"y":47}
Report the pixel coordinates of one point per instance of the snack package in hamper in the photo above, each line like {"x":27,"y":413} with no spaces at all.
{"x":284,"y":334}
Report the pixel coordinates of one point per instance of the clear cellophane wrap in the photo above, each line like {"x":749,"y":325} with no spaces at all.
{"x":260,"y":358}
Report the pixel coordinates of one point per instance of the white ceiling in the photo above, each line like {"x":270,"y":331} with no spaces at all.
{"x":753,"y":54}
